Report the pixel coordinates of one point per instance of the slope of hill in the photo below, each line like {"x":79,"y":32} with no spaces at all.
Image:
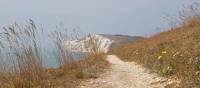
{"x":100,"y":43}
{"x":174,"y":53}
{"x":121,"y":39}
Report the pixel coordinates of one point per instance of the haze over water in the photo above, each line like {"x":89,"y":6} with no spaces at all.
{"x":130,"y":17}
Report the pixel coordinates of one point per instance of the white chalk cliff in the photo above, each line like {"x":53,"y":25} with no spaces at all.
{"x":91,"y":43}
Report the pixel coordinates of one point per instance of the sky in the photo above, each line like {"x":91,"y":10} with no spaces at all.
{"x":129,"y":17}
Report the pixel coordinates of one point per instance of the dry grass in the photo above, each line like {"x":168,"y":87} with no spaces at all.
{"x":25,"y":55}
{"x":70,"y":77}
{"x":24,"y":66}
{"x":172,"y":53}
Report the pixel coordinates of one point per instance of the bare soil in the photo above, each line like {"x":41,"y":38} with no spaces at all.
{"x":126,"y":75}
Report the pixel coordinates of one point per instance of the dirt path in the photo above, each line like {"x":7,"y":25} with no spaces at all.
{"x":125,"y":75}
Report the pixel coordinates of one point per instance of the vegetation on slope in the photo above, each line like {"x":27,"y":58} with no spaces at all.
{"x":23,"y":55}
{"x":70,"y":77}
{"x":172,"y":53}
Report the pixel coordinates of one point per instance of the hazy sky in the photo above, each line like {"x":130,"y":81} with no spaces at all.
{"x":132,"y":17}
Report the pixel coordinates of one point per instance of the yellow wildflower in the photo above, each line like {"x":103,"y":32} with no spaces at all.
{"x":159,"y":57}
{"x":164,"y":52}
{"x":197,"y":73}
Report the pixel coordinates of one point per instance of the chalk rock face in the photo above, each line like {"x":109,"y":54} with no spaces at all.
{"x":91,"y":43}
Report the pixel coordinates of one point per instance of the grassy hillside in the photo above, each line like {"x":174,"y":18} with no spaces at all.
{"x":172,"y":53}
{"x":71,"y":76}
{"x":22,"y":58}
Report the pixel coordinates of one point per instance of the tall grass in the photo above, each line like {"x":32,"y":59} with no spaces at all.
{"x":64,"y":55}
{"x":23,"y":55}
